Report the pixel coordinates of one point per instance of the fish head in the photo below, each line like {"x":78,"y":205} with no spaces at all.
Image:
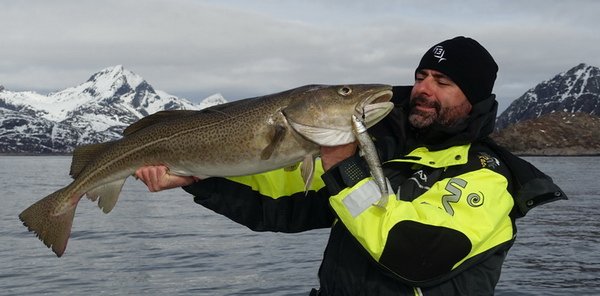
{"x":323,"y":113}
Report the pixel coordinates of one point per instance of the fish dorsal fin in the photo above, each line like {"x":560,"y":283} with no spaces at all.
{"x":82,"y":155}
{"x":157,"y":117}
{"x":278,"y":135}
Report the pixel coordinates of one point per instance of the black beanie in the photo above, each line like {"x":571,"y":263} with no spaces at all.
{"x":467,"y":63}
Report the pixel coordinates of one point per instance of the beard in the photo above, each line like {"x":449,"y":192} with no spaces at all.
{"x":447,"y":116}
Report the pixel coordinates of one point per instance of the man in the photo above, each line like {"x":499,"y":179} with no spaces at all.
{"x":448,"y":225}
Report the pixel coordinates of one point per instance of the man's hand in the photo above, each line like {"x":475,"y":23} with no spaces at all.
{"x":330,"y":156}
{"x":157,"y":178}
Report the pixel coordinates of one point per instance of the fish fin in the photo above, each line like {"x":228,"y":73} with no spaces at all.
{"x":276,"y":140}
{"x":106,"y":194}
{"x":51,"y":219}
{"x":157,"y":117}
{"x":307,"y":170}
{"x":291,"y":168}
{"x":82,"y":155}
{"x":221,"y":108}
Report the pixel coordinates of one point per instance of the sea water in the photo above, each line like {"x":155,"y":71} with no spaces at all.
{"x":164,"y":244}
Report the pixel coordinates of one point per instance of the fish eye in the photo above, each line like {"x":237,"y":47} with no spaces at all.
{"x":344,"y":91}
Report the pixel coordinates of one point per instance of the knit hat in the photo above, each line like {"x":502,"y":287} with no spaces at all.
{"x":467,"y":63}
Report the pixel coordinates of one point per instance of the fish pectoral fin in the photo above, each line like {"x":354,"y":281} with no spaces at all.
{"x":106,"y":194}
{"x":307,"y":170}
{"x":278,"y":135}
{"x":83,"y":155}
{"x":157,"y":117}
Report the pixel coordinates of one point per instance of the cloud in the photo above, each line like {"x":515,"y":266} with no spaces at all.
{"x":246,"y":48}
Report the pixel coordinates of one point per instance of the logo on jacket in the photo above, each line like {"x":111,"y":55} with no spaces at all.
{"x":488,"y":161}
{"x":438,"y":53}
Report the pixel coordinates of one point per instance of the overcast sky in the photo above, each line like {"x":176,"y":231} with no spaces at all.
{"x":193,"y":49}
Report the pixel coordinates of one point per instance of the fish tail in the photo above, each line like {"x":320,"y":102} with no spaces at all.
{"x":382,"y":202}
{"x":51,"y":219}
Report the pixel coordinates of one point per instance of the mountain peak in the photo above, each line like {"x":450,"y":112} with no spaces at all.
{"x":581,"y":66}
{"x":111,"y":78}
{"x":92,"y":112}
{"x":581,"y":71}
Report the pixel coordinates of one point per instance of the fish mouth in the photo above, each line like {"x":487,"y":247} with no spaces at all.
{"x":375,"y":107}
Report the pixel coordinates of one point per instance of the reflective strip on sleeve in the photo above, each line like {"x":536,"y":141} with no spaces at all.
{"x":418,"y":291}
{"x":362,"y":198}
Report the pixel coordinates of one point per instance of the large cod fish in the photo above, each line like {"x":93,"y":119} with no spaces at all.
{"x":239,"y":138}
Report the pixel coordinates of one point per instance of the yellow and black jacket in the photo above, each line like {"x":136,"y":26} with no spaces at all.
{"x":445,"y":230}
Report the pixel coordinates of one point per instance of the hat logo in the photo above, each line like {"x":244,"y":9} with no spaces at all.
{"x":438,"y":53}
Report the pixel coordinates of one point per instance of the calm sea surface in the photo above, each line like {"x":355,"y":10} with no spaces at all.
{"x":165,"y":244}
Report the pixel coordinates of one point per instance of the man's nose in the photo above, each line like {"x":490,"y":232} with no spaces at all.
{"x":424,"y":87}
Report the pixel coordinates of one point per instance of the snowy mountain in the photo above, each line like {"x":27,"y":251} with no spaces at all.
{"x":92,"y":112}
{"x":576,"y":90}
{"x":557,"y":117}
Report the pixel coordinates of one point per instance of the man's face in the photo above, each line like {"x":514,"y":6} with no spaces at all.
{"x":436,"y":98}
